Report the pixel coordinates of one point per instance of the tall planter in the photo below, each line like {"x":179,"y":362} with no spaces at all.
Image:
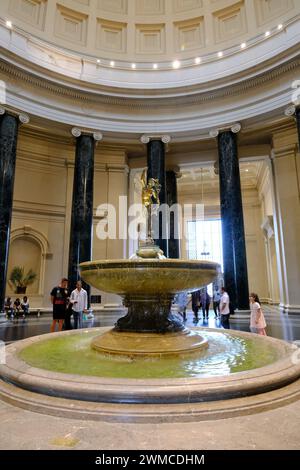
{"x":21,"y":290}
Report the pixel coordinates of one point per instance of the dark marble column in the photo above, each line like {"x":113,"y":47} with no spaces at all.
{"x":171,"y":188}
{"x":8,"y":149}
{"x":82,"y":208}
{"x":234,"y":245}
{"x":157,"y":170}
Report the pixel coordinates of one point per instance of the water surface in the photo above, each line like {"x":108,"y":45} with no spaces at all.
{"x":227,"y":354}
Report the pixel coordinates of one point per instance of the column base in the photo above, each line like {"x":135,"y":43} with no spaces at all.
{"x":112,"y":307}
{"x":90,"y":315}
{"x":290,"y":309}
{"x":240,"y":314}
{"x":3,"y":317}
{"x":269,"y":301}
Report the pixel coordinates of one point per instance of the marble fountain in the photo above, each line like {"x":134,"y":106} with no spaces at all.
{"x":149,"y":357}
{"x":149,"y":366}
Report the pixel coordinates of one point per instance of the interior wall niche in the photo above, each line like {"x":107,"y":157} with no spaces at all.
{"x":29,"y":248}
{"x":25,"y":252}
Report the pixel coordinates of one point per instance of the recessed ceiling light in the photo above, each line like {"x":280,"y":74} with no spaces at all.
{"x":155,"y":66}
{"x":247,"y":170}
{"x":133,"y":66}
{"x":98,"y":61}
{"x":280,"y":26}
{"x":112,"y":63}
{"x":176,"y":64}
{"x":9,"y":24}
{"x":243,"y":45}
{"x":220,"y":54}
{"x":198,"y":60}
{"x":267,"y":33}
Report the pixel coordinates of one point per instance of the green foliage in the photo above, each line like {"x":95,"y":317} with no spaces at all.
{"x":18,"y":278}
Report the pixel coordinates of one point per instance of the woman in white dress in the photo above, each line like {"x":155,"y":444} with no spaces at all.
{"x":257,"y":319}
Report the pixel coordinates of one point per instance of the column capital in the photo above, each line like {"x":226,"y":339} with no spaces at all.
{"x":146,"y":138}
{"x":23,"y":117}
{"x":216,"y":167}
{"x":235,"y":128}
{"x":290,"y":110}
{"x":77,"y":132}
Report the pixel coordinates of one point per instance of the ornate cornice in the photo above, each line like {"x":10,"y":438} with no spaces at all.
{"x":99,"y":97}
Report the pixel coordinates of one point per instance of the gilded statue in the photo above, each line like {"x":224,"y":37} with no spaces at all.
{"x":150,"y":197}
{"x":150,"y":191}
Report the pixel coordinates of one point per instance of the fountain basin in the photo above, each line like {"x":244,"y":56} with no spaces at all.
{"x":278,"y":371}
{"x":148,"y":287}
{"x":154,"y":277}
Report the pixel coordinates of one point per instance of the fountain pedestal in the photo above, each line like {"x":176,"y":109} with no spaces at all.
{"x":134,"y":344}
{"x":148,"y":286}
{"x":149,"y":313}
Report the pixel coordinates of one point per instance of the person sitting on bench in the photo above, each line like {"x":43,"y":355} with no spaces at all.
{"x":25,"y":306}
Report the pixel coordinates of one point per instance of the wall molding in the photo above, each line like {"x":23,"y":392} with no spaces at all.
{"x":90,"y":96}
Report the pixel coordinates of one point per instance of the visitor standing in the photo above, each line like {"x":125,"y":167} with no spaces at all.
{"x":205,"y":303}
{"x":257,"y":319}
{"x":59,"y":300}
{"x":78,"y":300}
{"x":196,"y":303}
{"x":216,"y":302}
{"x":224,"y":308}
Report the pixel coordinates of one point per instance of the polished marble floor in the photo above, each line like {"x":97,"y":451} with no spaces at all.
{"x":279,"y":325}
{"x":276,"y":428}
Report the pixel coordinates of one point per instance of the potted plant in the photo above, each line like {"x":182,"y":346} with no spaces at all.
{"x":20,"y":280}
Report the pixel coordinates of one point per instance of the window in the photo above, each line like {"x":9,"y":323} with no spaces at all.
{"x":205,"y":241}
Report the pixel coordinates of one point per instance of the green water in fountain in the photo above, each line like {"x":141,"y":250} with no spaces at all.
{"x":227,"y":354}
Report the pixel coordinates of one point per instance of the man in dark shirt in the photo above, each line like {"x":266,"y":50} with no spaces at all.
{"x":59,"y":300}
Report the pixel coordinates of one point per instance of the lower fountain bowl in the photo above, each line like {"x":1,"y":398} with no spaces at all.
{"x":63,"y":365}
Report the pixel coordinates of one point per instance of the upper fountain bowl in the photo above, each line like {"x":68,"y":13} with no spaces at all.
{"x":148,"y":276}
